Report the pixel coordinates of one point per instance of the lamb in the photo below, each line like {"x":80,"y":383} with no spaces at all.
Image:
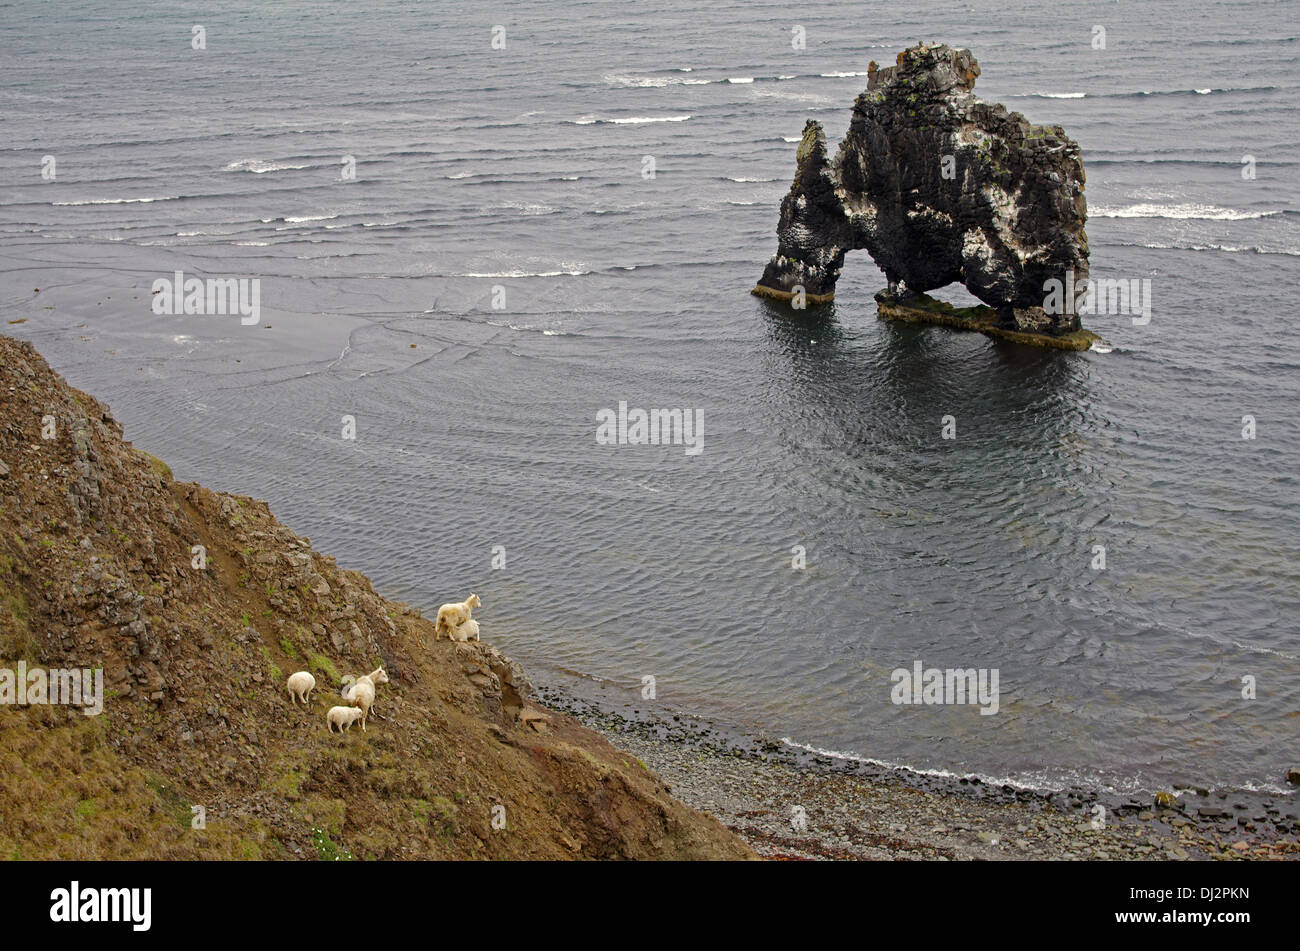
{"x":361,"y":693}
{"x":454,"y":613}
{"x":465,"y":631}
{"x":344,"y":717}
{"x":301,"y":685}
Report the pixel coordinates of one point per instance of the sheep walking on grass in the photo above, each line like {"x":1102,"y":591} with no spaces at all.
{"x":455,"y":613}
{"x":344,"y":717}
{"x":301,"y":685}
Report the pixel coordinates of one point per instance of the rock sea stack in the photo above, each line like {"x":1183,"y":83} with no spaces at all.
{"x":939,"y":187}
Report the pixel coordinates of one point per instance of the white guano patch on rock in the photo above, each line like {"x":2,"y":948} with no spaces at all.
{"x":1005,"y":212}
{"x":933,"y":214}
{"x":971,"y":136}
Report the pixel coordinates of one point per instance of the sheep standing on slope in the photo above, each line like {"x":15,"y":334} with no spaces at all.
{"x":361,"y":693}
{"x":343,"y":717}
{"x":465,"y":631}
{"x":301,"y":685}
{"x":454,"y":613}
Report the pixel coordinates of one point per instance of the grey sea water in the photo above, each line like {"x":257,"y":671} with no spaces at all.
{"x":521,"y":168}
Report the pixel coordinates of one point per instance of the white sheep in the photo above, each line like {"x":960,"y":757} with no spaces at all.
{"x":465,"y":631}
{"x":344,"y":717}
{"x":361,"y":693}
{"x":301,"y":685}
{"x":454,"y":613}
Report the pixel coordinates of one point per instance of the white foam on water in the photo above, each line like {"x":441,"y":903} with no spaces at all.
{"x":940,"y":773}
{"x":633,"y":120}
{"x":529,"y":208}
{"x":517,"y":274}
{"x":117,"y":201}
{"x":260,"y":166}
{"x":652,"y":82}
{"x":1181,"y":212}
{"x":1229,"y":248}
{"x":641,"y":82}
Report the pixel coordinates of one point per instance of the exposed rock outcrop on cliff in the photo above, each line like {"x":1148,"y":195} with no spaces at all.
{"x":197,"y":605}
{"x":940,"y":187}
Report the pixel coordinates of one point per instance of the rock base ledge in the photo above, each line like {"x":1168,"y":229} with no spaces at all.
{"x":762,"y":290}
{"x":923,"y":309}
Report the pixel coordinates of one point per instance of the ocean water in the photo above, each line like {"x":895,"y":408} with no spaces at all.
{"x":516,"y":176}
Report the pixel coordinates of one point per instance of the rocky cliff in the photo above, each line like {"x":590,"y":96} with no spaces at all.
{"x":198,"y":605}
{"x":939,"y":187}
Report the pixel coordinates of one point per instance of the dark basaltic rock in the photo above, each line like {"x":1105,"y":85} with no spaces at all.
{"x":940,"y":187}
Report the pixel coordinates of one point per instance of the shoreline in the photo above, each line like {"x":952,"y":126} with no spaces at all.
{"x":858,"y":810}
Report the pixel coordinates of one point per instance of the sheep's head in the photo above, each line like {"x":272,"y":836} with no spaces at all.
{"x":473,"y":601}
{"x":380,"y":677}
